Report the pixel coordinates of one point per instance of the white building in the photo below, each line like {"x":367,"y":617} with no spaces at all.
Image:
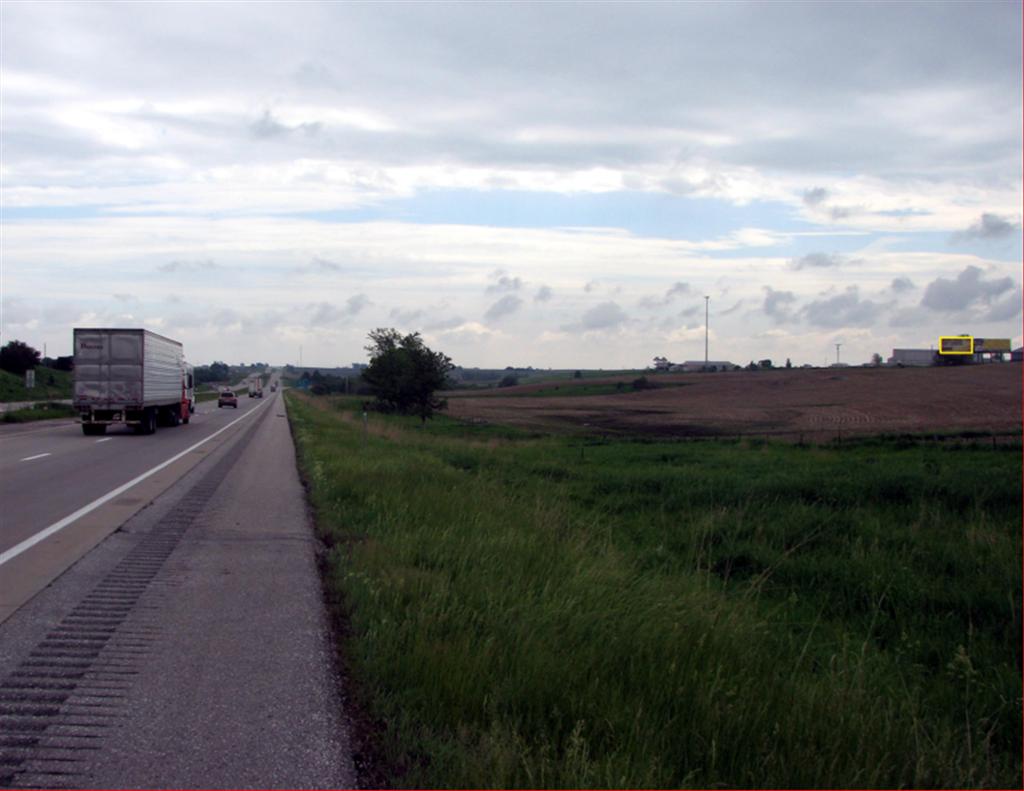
{"x":698,"y":365}
{"x":920,"y":357}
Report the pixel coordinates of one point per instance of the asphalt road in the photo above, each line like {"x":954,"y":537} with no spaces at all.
{"x":190,"y":648}
{"x":49,"y":469}
{"x":62,"y":492}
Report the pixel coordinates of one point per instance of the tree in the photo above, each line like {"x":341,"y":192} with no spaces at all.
{"x":217,"y":372}
{"x":404,"y":373}
{"x":509,"y":380}
{"x":66,"y":363}
{"x":788,"y":363}
{"x":876,"y":359}
{"x":17,"y":357}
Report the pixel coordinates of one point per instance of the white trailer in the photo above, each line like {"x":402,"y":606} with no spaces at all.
{"x":129,"y":377}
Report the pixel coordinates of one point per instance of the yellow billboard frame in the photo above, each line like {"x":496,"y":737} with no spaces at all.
{"x":960,"y":338}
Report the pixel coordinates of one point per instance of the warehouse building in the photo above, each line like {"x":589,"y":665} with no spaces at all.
{"x":921,"y":357}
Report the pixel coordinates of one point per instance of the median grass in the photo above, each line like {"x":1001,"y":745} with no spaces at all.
{"x":524,"y":611}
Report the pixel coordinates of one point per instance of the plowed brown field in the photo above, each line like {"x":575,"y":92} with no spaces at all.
{"x":814,"y":403}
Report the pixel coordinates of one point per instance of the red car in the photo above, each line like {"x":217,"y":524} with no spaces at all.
{"x":227,"y":398}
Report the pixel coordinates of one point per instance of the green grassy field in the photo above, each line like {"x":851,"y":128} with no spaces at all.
{"x":525,"y":611}
{"x":50,"y":384}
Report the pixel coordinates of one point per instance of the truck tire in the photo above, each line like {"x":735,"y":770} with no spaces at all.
{"x":148,"y":423}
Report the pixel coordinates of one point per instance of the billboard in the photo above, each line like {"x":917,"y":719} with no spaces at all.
{"x":956,"y":344}
{"x":992,"y":346}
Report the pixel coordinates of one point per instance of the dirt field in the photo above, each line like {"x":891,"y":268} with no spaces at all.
{"x":810,"y":403}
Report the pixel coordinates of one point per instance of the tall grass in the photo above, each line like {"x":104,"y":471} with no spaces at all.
{"x":533,"y":612}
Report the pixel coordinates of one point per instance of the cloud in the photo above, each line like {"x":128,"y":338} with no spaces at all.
{"x":126,"y":297}
{"x":843,"y":310}
{"x":406,"y":317}
{"x":605,"y":316}
{"x":326,"y":313}
{"x":451,"y":323}
{"x":776,"y":302}
{"x":355,"y":304}
{"x":318,"y":266}
{"x":844,"y":212}
{"x":1006,"y":307}
{"x":590,"y":286}
{"x":969,"y":288}
{"x":544,"y":294}
{"x":225,"y":318}
{"x":505,"y":284}
{"x":267,"y":127}
{"x":988,"y":227}
{"x":505,"y":306}
{"x":730,"y":310}
{"x":818,"y":261}
{"x":902,"y":284}
{"x":188,"y":266}
{"x":677,"y":289}
{"x":813,"y":197}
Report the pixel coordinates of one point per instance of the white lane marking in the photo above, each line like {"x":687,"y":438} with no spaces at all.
{"x":37,"y":456}
{"x":105,"y":439}
{"x":45,"y":533}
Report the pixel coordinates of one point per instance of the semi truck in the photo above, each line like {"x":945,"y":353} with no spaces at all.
{"x":130,"y":377}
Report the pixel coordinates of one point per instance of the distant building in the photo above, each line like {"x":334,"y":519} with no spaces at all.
{"x":698,"y":365}
{"x":920,"y":357}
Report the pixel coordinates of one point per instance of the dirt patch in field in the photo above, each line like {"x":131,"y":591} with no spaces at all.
{"x":814,"y":404}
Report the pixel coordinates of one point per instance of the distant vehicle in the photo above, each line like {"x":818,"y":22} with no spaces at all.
{"x":130,"y":377}
{"x":227,"y":398}
{"x":255,"y":391}
{"x":273,"y":388}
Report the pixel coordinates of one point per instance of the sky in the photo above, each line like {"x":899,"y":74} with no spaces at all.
{"x":564,"y":185}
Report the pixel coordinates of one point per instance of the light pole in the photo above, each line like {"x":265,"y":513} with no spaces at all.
{"x":706,"y":301}
{"x":837,"y":352}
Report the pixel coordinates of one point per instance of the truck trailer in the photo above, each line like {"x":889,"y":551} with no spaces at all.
{"x":130,"y":377}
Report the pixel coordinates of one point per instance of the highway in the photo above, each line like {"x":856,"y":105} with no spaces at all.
{"x":50,"y":470}
{"x":184,"y":642}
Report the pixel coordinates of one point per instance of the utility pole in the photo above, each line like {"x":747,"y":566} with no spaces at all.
{"x":706,"y":300}
{"x":300,"y":356}
{"x":837,"y":352}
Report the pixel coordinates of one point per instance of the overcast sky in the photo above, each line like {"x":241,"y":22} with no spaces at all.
{"x":556,"y":185}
